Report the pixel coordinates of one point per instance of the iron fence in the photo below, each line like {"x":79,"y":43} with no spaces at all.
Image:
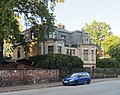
{"x":95,"y":73}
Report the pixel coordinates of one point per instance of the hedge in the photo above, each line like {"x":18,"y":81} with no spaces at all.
{"x":108,"y":63}
{"x":57,"y":61}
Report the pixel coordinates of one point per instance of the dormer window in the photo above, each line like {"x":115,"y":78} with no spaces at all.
{"x":32,"y":35}
{"x":26,"y":37}
{"x":52,"y":35}
{"x":87,"y":40}
{"x":63,"y":37}
{"x":83,"y":40}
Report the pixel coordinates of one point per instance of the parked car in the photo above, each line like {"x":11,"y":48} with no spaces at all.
{"x":77,"y":78}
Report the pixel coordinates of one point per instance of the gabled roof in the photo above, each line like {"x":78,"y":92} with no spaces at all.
{"x":62,"y":30}
{"x":25,"y":31}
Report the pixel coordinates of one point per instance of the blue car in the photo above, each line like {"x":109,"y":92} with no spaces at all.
{"x":77,"y":78}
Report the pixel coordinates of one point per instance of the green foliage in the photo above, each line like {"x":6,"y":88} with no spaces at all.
{"x":108,"y":63}
{"x":34,"y":12}
{"x":109,"y":42}
{"x":97,"y":31}
{"x":57,"y":61}
{"x":65,"y":63}
{"x":114,"y":51}
{"x":8,"y":23}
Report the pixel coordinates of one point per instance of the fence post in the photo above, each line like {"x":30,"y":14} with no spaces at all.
{"x":104,"y":73}
{"x":115,"y":73}
{"x":93,"y":71}
{"x":58,"y":75}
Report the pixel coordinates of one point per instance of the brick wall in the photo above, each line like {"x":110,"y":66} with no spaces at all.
{"x":9,"y":77}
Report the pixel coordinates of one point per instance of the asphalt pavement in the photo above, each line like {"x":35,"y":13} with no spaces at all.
{"x":44,"y":85}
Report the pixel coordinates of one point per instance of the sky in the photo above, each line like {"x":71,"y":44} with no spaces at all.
{"x":75,"y":13}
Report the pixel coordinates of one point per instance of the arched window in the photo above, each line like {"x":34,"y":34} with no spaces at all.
{"x":18,"y":52}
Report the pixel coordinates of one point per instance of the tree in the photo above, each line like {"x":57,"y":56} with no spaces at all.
{"x":97,"y":31}
{"x":109,"y":42}
{"x":114,"y":51}
{"x":108,"y":63}
{"x":8,"y":25}
{"x":8,"y":45}
{"x":35,"y":13}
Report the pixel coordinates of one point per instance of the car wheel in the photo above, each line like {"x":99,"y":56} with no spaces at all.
{"x":88,"y":81}
{"x":76,"y":82}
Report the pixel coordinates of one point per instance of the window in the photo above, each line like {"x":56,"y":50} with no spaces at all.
{"x":59,"y":49}
{"x":63,"y":37}
{"x":32,"y":35}
{"x":50,"y":49}
{"x":39,"y":49}
{"x":70,"y":51}
{"x":87,"y":41}
{"x":67,"y":52}
{"x":81,"y":75}
{"x":92,"y":55}
{"x":52,"y":35}
{"x":73,"y":52}
{"x":84,"y":40}
{"x":85,"y":58}
{"x":18,"y":52}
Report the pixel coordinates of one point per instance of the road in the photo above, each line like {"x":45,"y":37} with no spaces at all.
{"x":99,"y":88}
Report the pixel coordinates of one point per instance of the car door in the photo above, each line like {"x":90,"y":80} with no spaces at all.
{"x":85,"y":78}
{"x":80,"y":79}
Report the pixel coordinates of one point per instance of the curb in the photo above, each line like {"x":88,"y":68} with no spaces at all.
{"x":105,"y":79}
{"x":29,"y":87}
{"x":45,"y":85}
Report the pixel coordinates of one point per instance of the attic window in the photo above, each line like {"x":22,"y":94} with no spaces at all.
{"x":87,"y":41}
{"x":62,"y":37}
{"x":83,"y":40}
{"x":52,"y":35}
{"x":32,"y":34}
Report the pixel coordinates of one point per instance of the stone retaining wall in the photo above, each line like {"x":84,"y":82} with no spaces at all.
{"x":9,"y":77}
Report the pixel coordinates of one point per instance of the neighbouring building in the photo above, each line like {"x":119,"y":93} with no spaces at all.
{"x":61,"y":41}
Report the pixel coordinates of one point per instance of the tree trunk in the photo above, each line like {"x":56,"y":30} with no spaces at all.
{"x":1,"y":51}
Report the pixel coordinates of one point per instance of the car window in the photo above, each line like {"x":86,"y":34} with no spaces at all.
{"x":80,"y":76}
{"x":87,"y":74}
{"x":74,"y":75}
{"x":84,"y":74}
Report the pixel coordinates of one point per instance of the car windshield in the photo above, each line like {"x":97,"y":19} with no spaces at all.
{"x":73,"y":75}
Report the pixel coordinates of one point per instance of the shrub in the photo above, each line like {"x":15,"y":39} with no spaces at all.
{"x":57,"y":61}
{"x":65,"y":63}
{"x":108,"y":63}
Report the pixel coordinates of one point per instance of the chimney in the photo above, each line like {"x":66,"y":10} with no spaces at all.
{"x":63,"y":26}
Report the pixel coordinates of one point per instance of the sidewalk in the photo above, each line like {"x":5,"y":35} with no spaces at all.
{"x":45,"y":85}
